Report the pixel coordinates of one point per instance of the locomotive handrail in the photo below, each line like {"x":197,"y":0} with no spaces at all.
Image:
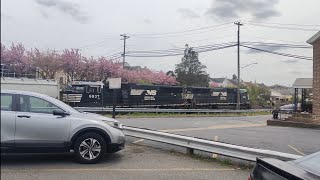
{"x":192,"y":143}
{"x":156,"y":110}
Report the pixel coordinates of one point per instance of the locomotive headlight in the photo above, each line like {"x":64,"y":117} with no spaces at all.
{"x":117,"y":125}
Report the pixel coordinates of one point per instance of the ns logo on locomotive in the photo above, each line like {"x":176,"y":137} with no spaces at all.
{"x":97,"y":94}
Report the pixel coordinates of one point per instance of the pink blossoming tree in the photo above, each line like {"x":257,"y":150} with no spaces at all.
{"x":76,"y":66}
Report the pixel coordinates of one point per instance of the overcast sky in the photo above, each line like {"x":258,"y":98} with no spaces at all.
{"x":95,"y":26}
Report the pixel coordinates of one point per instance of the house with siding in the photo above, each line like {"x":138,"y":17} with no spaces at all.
{"x":220,"y":82}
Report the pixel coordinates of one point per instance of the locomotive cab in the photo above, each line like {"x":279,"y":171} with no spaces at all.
{"x":85,"y":94}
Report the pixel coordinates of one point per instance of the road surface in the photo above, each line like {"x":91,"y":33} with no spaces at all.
{"x":250,"y":131}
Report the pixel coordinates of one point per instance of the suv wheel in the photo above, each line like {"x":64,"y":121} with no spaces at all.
{"x":89,"y":148}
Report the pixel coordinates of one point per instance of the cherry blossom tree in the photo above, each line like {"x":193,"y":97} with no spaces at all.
{"x":16,"y":58}
{"x":4,"y":54}
{"x":48,"y":63}
{"x":106,"y":68}
{"x":146,"y":76}
{"x":76,"y":66}
{"x":71,"y":63}
{"x":86,"y":70}
{"x":214,"y":84}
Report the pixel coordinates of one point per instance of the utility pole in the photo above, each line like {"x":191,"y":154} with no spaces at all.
{"x":238,"y":23}
{"x":124,"y":48}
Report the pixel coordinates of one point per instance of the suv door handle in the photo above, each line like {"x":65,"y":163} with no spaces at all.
{"x":24,"y":116}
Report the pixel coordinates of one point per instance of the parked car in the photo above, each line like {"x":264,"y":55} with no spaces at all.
{"x":37,"y":123}
{"x":289,"y":108}
{"x":307,"y":167}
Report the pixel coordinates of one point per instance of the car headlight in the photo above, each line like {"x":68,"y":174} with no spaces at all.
{"x":117,"y":125}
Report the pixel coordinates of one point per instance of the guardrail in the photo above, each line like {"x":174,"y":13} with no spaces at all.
{"x":192,"y":143}
{"x":156,"y":110}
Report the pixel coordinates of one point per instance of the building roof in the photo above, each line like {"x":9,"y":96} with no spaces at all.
{"x":29,"y":81}
{"x":126,"y":64}
{"x":314,"y":38}
{"x":303,"y":83}
{"x":276,"y":93}
{"x":218,"y":80}
{"x":262,"y":85}
{"x":248,"y":83}
{"x":284,"y":90}
{"x":234,"y":81}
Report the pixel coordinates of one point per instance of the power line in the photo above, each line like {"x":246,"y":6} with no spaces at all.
{"x":179,"y":32}
{"x":114,"y":55}
{"x":179,"y":35}
{"x":277,"y":45}
{"x":282,"y":27}
{"x":278,"y":53}
{"x":177,"y":53}
{"x":92,"y":45}
{"x":284,"y":24}
{"x":115,"y":58}
{"x":173,"y":43}
{"x":98,"y":43}
{"x":112,"y":51}
{"x":178,"y":50}
{"x":270,"y":39}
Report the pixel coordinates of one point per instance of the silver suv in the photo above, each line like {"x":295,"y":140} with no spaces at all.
{"x":37,"y":123}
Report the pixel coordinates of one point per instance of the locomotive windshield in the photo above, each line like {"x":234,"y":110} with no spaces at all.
{"x":93,"y":89}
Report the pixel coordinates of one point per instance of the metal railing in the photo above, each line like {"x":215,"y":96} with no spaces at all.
{"x":156,"y":110}
{"x":192,"y":143}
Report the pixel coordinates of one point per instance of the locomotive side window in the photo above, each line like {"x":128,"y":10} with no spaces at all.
{"x":78,"y":89}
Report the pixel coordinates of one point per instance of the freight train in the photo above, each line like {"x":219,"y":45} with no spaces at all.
{"x":131,"y":95}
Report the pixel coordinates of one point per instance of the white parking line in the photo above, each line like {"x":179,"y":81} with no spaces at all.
{"x":225,"y":126}
{"x":295,"y":149}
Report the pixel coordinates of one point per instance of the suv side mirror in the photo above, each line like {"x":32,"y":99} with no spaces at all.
{"x":59,"y":112}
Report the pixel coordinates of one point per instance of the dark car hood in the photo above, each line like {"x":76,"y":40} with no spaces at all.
{"x":286,"y":169}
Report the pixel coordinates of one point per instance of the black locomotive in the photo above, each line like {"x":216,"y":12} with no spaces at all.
{"x":96,"y":94}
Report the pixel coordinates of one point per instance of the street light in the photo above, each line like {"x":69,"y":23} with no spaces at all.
{"x":248,"y":65}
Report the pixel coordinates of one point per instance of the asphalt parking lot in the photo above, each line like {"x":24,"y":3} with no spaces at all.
{"x":142,"y":159}
{"x":250,"y":131}
{"x":135,"y":162}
